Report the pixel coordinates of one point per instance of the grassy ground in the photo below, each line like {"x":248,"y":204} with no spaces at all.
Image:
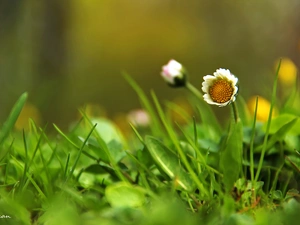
{"x":167,"y":173}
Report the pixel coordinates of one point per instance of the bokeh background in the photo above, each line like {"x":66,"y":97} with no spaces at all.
{"x":68,"y":53}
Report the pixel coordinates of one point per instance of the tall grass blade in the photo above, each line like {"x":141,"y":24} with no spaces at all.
{"x":155,"y":124}
{"x":12,"y":118}
{"x":265,"y":143}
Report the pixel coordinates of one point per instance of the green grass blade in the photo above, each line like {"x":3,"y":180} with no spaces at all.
{"x":265,"y":143}
{"x":80,"y":151}
{"x":252,"y":144}
{"x":67,"y":165}
{"x":103,"y":145}
{"x":175,"y":141}
{"x":65,"y":136}
{"x":155,"y":124}
{"x":12,"y":118}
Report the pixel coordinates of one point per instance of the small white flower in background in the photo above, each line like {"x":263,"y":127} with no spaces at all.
{"x":174,"y":74}
{"x":139,"y":117}
{"x":221,"y":88}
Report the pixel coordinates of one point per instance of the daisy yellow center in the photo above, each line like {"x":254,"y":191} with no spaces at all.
{"x":221,"y":91}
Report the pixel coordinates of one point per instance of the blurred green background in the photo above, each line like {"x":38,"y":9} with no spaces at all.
{"x":67,"y":53}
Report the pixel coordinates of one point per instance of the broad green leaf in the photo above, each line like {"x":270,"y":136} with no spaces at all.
{"x":125,"y":195}
{"x":116,"y":150}
{"x":231,"y":157}
{"x":12,"y":118}
{"x":169,"y":163}
{"x":144,"y":157}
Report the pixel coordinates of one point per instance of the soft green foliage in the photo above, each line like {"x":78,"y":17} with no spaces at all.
{"x":197,"y":173}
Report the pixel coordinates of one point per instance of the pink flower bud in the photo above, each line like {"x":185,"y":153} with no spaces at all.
{"x":174,"y":74}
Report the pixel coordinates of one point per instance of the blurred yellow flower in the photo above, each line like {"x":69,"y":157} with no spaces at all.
{"x":263,"y":108}
{"x":288,"y":71}
{"x":29,"y":111}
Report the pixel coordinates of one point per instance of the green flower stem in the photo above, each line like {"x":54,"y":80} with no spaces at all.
{"x":235,"y":112}
{"x":194,"y":90}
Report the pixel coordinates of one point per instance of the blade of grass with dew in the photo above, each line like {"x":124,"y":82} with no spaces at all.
{"x":231,"y":156}
{"x":12,"y":118}
{"x":175,"y":141}
{"x":265,"y":142}
{"x":155,"y":124}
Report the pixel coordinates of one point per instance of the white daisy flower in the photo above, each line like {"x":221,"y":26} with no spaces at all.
{"x":174,"y":74}
{"x":221,"y":88}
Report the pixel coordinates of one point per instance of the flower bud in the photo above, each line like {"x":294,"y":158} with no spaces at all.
{"x":174,"y":74}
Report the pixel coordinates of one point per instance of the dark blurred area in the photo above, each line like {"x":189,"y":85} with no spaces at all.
{"x":67,"y":53}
